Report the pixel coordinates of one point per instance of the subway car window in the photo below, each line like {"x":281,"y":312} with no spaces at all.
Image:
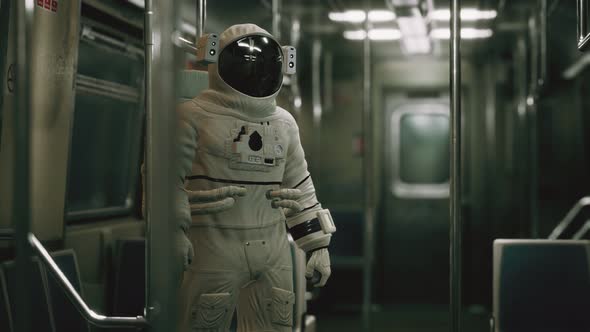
{"x":424,"y":148}
{"x":107,"y":128}
{"x":420,"y":149}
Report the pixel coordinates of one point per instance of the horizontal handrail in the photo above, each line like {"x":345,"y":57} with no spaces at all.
{"x":584,"y":202}
{"x":90,"y":316}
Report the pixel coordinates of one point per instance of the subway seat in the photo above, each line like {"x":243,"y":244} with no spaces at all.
{"x":541,"y":285}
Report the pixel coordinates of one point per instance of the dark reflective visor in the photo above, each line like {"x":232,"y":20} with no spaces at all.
{"x":252,"y":65}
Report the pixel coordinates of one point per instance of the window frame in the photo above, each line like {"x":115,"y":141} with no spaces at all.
{"x":129,"y":49}
{"x":400,"y":188}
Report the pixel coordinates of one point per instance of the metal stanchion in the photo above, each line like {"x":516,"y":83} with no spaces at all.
{"x":21,"y":204}
{"x":162,"y":264}
{"x":455,"y":206}
{"x":369,"y":205}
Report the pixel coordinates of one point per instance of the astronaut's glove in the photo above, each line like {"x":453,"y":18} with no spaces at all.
{"x":320,"y":262}
{"x":286,"y":199}
{"x":215,"y":200}
{"x":184,"y":248}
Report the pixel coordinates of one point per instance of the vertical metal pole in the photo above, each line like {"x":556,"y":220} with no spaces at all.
{"x":295,"y":90}
{"x":531,"y":106}
{"x":161,"y":55}
{"x":455,"y":208}
{"x":21,"y":208}
{"x":148,"y":41}
{"x":201,"y":19}
{"x":367,"y":125}
{"x":316,"y":54}
{"x":276,"y":19}
{"x":582,"y":24}
{"x":543,"y":42}
{"x":328,"y":81}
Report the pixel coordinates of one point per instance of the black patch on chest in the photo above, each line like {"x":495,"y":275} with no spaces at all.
{"x":255,"y":142}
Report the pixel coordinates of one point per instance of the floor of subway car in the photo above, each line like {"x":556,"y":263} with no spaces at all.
{"x":403,"y":318}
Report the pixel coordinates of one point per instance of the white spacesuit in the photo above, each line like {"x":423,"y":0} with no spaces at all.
{"x":242,"y":175}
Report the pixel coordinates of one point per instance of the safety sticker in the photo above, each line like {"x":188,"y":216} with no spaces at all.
{"x":50,"y":5}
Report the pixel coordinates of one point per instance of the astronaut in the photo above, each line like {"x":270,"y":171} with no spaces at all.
{"x":243,"y":175}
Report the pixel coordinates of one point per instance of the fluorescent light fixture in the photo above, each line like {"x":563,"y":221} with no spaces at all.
{"x":466,"y":33}
{"x":467,"y":14}
{"x":355,"y":34}
{"x":374,"y":34}
{"x":359,"y":16}
{"x":381,"y":15}
{"x":384,"y":34}
{"x":351,"y":16}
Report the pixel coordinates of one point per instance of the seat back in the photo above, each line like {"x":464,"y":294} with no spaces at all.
{"x":42,"y":317}
{"x":541,"y":285}
{"x":129,"y":290}
{"x":65,"y":314}
{"x":5,"y":316}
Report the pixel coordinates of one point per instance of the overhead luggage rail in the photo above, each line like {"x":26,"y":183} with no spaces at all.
{"x":582,"y":205}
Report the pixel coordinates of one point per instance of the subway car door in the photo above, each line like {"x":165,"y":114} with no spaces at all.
{"x":415,"y":211}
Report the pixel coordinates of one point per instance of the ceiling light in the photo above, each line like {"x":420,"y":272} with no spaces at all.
{"x":374,"y":34}
{"x":467,"y":14}
{"x":355,"y":34}
{"x":381,"y":16}
{"x":384,"y":34}
{"x":351,"y":16}
{"x":466,"y":33}
{"x":359,"y":16}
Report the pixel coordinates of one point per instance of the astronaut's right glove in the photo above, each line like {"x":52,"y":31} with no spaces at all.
{"x":312,"y":231}
{"x":184,"y":248}
{"x":215,"y":200}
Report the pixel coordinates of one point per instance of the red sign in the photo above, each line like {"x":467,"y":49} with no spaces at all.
{"x":50,"y":5}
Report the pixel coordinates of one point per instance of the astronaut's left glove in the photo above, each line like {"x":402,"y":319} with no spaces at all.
{"x":312,"y":230}
{"x":320,"y":262}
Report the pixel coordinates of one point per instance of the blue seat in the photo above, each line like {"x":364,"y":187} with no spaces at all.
{"x":42,"y":320}
{"x":542,"y":285}
{"x":65,"y":315}
{"x":5,"y":317}
{"x":129,"y":287}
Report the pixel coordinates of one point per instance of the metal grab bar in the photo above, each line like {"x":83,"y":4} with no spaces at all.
{"x":569,"y":217}
{"x":583,"y":230}
{"x":90,"y":316}
{"x":583,"y":33}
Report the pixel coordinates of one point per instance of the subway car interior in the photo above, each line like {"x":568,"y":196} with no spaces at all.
{"x":448,"y":142}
